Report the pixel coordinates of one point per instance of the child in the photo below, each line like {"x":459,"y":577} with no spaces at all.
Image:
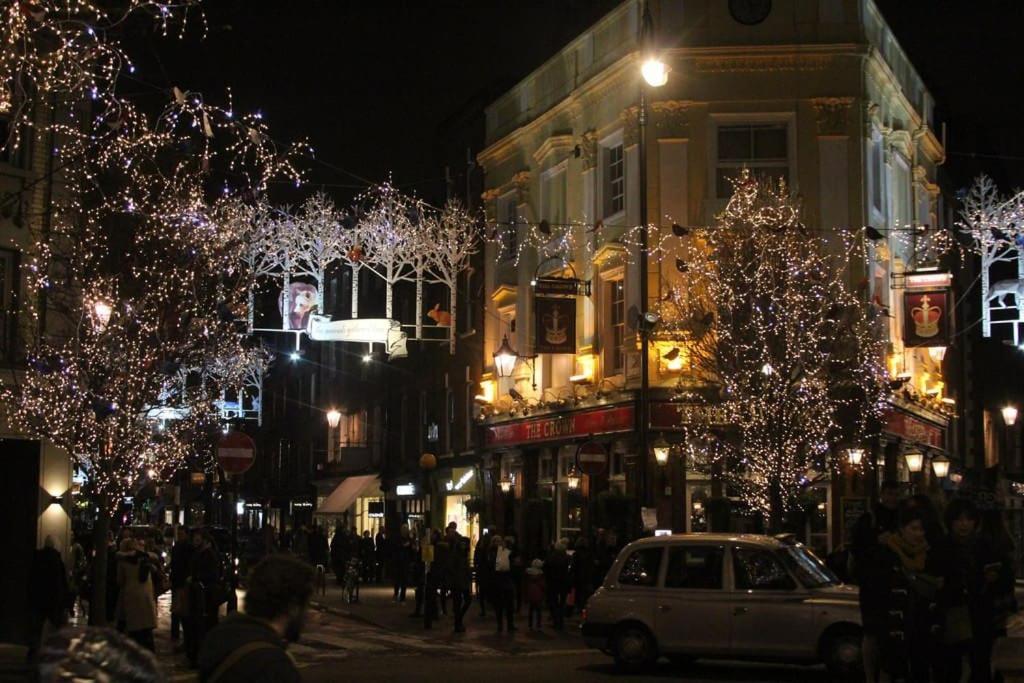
{"x":535,"y":590}
{"x":352,"y":579}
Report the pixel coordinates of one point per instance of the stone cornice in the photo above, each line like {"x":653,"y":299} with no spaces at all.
{"x":831,"y":114}
{"x":560,"y":143}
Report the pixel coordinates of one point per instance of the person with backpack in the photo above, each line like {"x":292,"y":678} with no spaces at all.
{"x":251,"y":645}
{"x":205,"y":593}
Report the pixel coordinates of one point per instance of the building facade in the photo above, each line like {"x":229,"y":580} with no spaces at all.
{"x":817,"y":92}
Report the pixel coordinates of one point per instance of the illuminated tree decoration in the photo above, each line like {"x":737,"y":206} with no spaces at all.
{"x":773,"y":329}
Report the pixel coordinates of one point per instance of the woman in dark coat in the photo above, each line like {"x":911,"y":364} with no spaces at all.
{"x":583,"y":570}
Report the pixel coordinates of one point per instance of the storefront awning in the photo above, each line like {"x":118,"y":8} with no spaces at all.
{"x":346,"y":492}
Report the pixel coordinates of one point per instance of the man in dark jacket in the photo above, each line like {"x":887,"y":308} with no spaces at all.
{"x":181,"y":566}
{"x":204,"y":593}
{"x":250,"y":647}
{"x":340,"y":553}
{"x":459,"y":579}
{"x":48,"y":590}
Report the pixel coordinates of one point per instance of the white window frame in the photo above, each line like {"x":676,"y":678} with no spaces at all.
{"x":608,"y":279}
{"x":558,"y":223}
{"x":608,"y":213}
{"x":508,"y":212}
{"x":728,"y":120}
{"x":877,"y":181}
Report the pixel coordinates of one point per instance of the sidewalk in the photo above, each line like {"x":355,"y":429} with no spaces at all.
{"x":377,"y":608}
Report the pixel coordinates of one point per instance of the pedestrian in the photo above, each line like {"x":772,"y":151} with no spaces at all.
{"x":431,"y":575}
{"x":78,"y":573}
{"x":417,"y":574}
{"x":382,"y":548}
{"x":909,"y":576}
{"x":442,"y":566}
{"x":300,"y":543}
{"x":181,"y":566}
{"x":47,"y":593}
{"x":319,"y":551}
{"x":977,"y":576}
{"x":535,"y":592}
{"x":367,"y":556}
{"x":518,"y":572}
{"x":251,"y":646}
{"x":459,"y":579}
{"x":401,"y":556}
{"x":502,"y":589}
{"x":483,"y":569}
{"x":339,"y":553}
{"x":583,"y":568}
{"x":137,"y":602}
{"x":867,"y":539}
{"x":204,"y":589}
{"x":556,"y":579}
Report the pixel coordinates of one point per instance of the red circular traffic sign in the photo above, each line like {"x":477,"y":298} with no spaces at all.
{"x":236,"y":452}
{"x":591,"y":458}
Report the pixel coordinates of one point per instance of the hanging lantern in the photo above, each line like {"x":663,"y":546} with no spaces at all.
{"x":1009,"y":415}
{"x":915,"y":461}
{"x":855,"y":456}
{"x":940,"y":465}
{"x":333,"y":418}
{"x":505,"y":358}
{"x":661,"y":449}
{"x":573,"y":479}
{"x":505,"y":484}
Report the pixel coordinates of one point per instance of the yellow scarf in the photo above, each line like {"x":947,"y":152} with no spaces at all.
{"x":912,"y":556}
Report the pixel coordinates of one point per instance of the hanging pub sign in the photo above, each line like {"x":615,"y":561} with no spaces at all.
{"x":555,"y":325}
{"x":925,"y":317}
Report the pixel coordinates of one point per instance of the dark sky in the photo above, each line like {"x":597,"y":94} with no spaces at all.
{"x":368,"y":83}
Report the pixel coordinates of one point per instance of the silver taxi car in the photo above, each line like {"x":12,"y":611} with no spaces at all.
{"x":724,"y":596}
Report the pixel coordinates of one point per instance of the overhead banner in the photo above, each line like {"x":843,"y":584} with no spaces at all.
{"x":925,"y":318}
{"x":554,"y":325}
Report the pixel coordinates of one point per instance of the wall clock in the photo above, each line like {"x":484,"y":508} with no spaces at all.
{"x":750,"y":12}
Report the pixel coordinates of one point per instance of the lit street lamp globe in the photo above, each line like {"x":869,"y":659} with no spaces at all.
{"x":915,"y":461}
{"x":1009,"y":415}
{"x":428,"y":461}
{"x":333,"y":418}
{"x":940,"y":465}
{"x":655,"y":72}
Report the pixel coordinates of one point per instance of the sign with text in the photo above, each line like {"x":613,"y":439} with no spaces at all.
{"x":914,"y":429}
{"x":925,"y":318}
{"x":554,"y":325}
{"x":557,"y":286}
{"x":666,"y":415}
{"x":581,"y":423}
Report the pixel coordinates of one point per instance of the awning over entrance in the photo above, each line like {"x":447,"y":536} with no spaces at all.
{"x":346,"y":492}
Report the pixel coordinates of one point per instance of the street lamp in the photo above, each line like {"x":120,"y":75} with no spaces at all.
{"x":505,"y":484}
{"x":505,"y":358}
{"x":333,"y":418}
{"x":655,"y":72}
{"x":855,"y":456}
{"x":661,"y":448}
{"x":940,"y":465}
{"x":1009,"y":415}
{"x":915,"y":461}
{"x":102,"y":311}
{"x":573,"y":479}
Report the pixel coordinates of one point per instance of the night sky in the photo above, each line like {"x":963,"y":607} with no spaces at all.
{"x":368,"y":83}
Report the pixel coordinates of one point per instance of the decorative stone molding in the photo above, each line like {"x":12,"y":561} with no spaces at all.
{"x":751,"y":63}
{"x":559,"y":145}
{"x":671,"y":117}
{"x":902,"y":142}
{"x":588,"y":149}
{"x":831,"y":114}
{"x":521,"y":182}
{"x":630,"y":126}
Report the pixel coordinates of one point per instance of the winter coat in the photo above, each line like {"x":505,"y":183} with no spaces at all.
{"x":556,"y":570}
{"x":181,"y":563}
{"x":48,"y":585}
{"x":967,"y":585}
{"x":535,"y":588}
{"x":264,"y":663}
{"x":459,"y":576}
{"x":136,"y":604}
{"x":583,"y":569}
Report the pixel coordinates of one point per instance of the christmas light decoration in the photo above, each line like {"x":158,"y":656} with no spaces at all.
{"x":768,"y":319}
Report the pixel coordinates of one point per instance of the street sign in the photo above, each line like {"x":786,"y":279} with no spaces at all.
{"x":561,"y":286}
{"x":591,"y":458}
{"x":236,"y":453}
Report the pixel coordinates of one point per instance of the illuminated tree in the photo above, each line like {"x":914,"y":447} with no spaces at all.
{"x":771,"y":325}
{"x":451,"y":238}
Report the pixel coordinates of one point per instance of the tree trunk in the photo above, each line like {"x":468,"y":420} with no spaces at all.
{"x":452,"y":303}
{"x":775,"y":506}
{"x":419,"y":305}
{"x":98,"y":599}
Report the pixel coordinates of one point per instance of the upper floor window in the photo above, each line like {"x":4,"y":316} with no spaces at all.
{"x":552,"y":198}
{"x":508,"y":226}
{"x":616,"y":355}
{"x":877,"y":162}
{"x":352,"y":429}
{"x":762,"y":148}
{"x":614,"y":180}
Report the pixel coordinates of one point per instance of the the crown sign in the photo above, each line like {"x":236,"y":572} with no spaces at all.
{"x":555,"y":329}
{"x":926,"y":318}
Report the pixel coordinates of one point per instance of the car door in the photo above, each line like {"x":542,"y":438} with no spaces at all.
{"x":693,"y":610}
{"x":770,"y":614}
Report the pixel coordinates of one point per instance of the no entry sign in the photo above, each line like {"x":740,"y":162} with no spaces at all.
{"x":236,"y":453}
{"x":592,"y":458}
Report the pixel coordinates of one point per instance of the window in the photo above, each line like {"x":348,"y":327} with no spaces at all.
{"x":760,"y":570}
{"x":761,"y":148}
{"x":877,"y":171}
{"x":698,"y":567}
{"x":508,"y":226}
{"x":616,"y":354}
{"x":811,"y":571}
{"x":614,"y":180}
{"x":641,"y":568}
{"x":545,"y":467}
{"x":352,"y":429}
{"x":552,"y":198}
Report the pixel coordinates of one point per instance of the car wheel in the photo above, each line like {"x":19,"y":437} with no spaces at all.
{"x":634,"y":648}
{"x":844,"y":656}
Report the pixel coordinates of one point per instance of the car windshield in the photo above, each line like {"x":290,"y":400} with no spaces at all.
{"x":811,"y":571}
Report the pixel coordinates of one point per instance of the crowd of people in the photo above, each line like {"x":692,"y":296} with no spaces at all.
{"x":936,"y":589}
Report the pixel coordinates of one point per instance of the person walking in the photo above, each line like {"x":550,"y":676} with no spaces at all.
{"x":382,"y":550}
{"x":502,"y":590}
{"x":319,"y":550}
{"x":204,"y":594}
{"x":535,"y":592}
{"x":442,"y":565}
{"x":47,"y":592}
{"x":459,"y":578}
{"x":339,"y":553}
{"x":300,"y":543}
{"x":367,"y":557}
{"x":518,"y":572}
{"x":583,"y":569}
{"x":556,"y":578}
{"x":401,"y":556}
{"x":251,"y":645}
{"x":417,"y":574}
{"x":137,"y":603}
{"x":181,"y":566}
{"x":484,"y":571}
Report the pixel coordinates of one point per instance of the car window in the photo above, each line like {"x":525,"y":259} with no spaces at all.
{"x":811,"y":571}
{"x":759,"y":570}
{"x":641,"y":568}
{"x":698,"y":566}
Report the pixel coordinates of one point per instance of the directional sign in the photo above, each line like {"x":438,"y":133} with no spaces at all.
{"x":236,"y":452}
{"x":592,"y":458}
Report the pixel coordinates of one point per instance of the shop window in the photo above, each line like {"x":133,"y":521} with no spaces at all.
{"x":641,"y":568}
{"x":760,"y":570}
{"x":570,"y":519}
{"x":545,"y":467}
{"x":761,"y":148}
{"x":695,"y":567}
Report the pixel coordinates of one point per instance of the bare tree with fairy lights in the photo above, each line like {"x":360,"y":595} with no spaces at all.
{"x":777,"y":340}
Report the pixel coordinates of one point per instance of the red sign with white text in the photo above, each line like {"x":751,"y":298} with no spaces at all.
{"x":914,"y":429}
{"x":567,"y":426}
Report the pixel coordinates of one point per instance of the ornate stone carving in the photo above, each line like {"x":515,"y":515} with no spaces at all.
{"x":521,"y":182}
{"x":748,"y":63}
{"x":671,"y":117}
{"x":588,"y":149}
{"x":630,"y":126}
{"x":831,"y":114}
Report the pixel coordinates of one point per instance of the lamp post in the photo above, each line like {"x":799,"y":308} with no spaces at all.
{"x":855,"y":456}
{"x":915,"y":463}
{"x":654,"y":73}
{"x":333,"y":420}
{"x":940,"y":465}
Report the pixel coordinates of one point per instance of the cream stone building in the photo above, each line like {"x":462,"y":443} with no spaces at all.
{"x":818,"y":92}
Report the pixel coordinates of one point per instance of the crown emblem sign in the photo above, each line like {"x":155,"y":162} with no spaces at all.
{"x":555,"y":328}
{"x":926,"y":318}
